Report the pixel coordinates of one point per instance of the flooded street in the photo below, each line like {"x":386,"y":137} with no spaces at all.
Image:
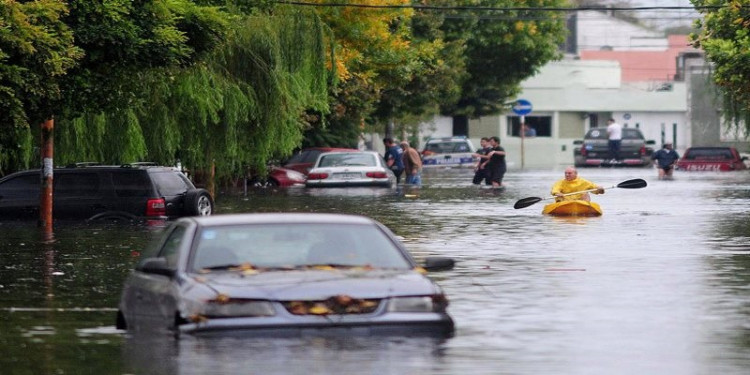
{"x":660,"y":284}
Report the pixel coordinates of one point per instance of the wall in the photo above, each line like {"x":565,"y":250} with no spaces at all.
{"x":572,"y":125}
{"x":526,"y":153}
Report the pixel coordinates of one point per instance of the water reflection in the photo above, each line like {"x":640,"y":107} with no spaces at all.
{"x":658,"y":284}
{"x":307,"y":355}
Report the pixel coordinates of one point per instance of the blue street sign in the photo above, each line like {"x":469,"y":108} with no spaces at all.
{"x":522,"y":107}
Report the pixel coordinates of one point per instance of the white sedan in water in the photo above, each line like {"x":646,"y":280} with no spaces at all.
{"x":350,"y":168}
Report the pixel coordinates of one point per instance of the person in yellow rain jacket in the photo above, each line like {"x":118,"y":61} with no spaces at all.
{"x":572,"y":183}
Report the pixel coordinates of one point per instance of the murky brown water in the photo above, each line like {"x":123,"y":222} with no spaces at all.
{"x":660,"y":284}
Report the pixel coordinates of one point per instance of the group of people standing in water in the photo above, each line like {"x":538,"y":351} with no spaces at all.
{"x":490,"y":166}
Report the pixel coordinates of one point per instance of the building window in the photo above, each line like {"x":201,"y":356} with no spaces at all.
{"x":541,"y":124}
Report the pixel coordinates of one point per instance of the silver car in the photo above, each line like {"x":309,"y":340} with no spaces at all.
{"x":448,"y":152}
{"x":350,"y":168}
{"x":283,"y":274}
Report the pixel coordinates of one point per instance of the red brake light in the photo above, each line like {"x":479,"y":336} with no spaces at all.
{"x":156,"y":207}
{"x":584,"y":152}
{"x":317,"y":176}
{"x":643,"y":150}
{"x":376,"y":174}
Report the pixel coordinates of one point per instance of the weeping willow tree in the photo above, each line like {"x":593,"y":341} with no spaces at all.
{"x":237,"y":109}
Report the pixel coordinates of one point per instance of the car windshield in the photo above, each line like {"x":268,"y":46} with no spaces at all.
{"x":709,"y":154}
{"x":444,"y":147}
{"x":295,"y":245}
{"x":348,"y":160}
{"x":627,"y":133}
{"x":306,"y":156}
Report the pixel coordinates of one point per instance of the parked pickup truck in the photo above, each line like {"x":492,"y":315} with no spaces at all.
{"x":712,"y":159}
{"x":593,"y":150}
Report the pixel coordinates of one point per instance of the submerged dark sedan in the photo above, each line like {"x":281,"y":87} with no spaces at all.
{"x":283,"y":274}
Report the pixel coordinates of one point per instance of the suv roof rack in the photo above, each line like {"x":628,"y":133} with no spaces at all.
{"x":139,"y":164}
{"x":83,"y":164}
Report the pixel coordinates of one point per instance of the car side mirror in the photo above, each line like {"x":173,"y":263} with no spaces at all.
{"x":438,"y":264}
{"x":578,"y":142}
{"x":156,"y":266}
{"x":651,"y":142}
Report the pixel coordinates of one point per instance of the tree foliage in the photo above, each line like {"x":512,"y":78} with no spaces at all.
{"x":238,"y":108}
{"x":36,"y":49}
{"x":372,"y":51}
{"x":234,"y":83}
{"x":724,"y":34}
{"x":403,"y":66}
{"x":503,"y":48}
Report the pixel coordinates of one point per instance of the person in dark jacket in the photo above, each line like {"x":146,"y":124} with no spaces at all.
{"x":394,"y":158}
{"x":665,"y":159}
{"x":496,"y":164}
{"x":480,"y":173}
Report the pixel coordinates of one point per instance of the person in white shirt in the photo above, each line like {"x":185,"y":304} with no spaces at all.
{"x":614,"y":131}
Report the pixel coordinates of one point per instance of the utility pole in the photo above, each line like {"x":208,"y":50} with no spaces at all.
{"x":45,"y":198}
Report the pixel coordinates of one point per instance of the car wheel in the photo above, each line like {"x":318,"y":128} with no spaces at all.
{"x":266,"y":183}
{"x":199,"y":203}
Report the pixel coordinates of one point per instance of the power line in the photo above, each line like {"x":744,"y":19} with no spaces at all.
{"x":505,"y":9}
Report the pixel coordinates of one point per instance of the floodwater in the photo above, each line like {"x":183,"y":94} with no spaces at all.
{"x":660,"y":284}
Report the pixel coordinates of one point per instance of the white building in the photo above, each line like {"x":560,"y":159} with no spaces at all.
{"x":637,"y":76}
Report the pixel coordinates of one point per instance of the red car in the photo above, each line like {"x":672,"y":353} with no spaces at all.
{"x":711,"y":159}
{"x":303,"y":160}
{"x":285,"y":177}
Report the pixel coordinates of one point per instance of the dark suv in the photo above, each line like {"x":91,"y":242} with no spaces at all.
{"x":129,"y":192}
{"x":593,"y":151}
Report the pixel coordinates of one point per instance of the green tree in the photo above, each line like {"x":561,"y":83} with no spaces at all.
{"x":724,"y":34}
{"x":503,"y":48}
{"x":439,"y":69}
{"x":36,"y":49}
{"x":64,"y":59}
{"x":374,"y":52}
{"x":241,"y":105}
{"x":459,"y":61}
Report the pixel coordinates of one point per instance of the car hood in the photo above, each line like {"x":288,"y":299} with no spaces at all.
{"x":319,"y":284}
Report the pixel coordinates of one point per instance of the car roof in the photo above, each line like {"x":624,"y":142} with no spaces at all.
{"x":626,"y":132}
{"x":711,"y":148}
{"x":349,"y":152}
{"x":97,"y":167}
{"x":279,"y":218}
{"x":330,"y":149}
{"x":447,"y":139}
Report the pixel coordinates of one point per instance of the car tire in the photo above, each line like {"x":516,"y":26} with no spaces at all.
{"x":270,"y":183}
{"x":198,"y":202}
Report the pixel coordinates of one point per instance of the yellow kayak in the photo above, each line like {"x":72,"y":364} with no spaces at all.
{"x":572,"y":208}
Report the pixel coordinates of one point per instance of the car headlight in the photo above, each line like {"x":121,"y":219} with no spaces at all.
{"x":237,"y":308}
{"x":436,"y":303}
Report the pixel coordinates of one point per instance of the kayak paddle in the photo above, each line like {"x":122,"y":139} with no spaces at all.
{"x":628,"y":184}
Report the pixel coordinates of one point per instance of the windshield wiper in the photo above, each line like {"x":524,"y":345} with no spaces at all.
{"x":222,"y":267}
